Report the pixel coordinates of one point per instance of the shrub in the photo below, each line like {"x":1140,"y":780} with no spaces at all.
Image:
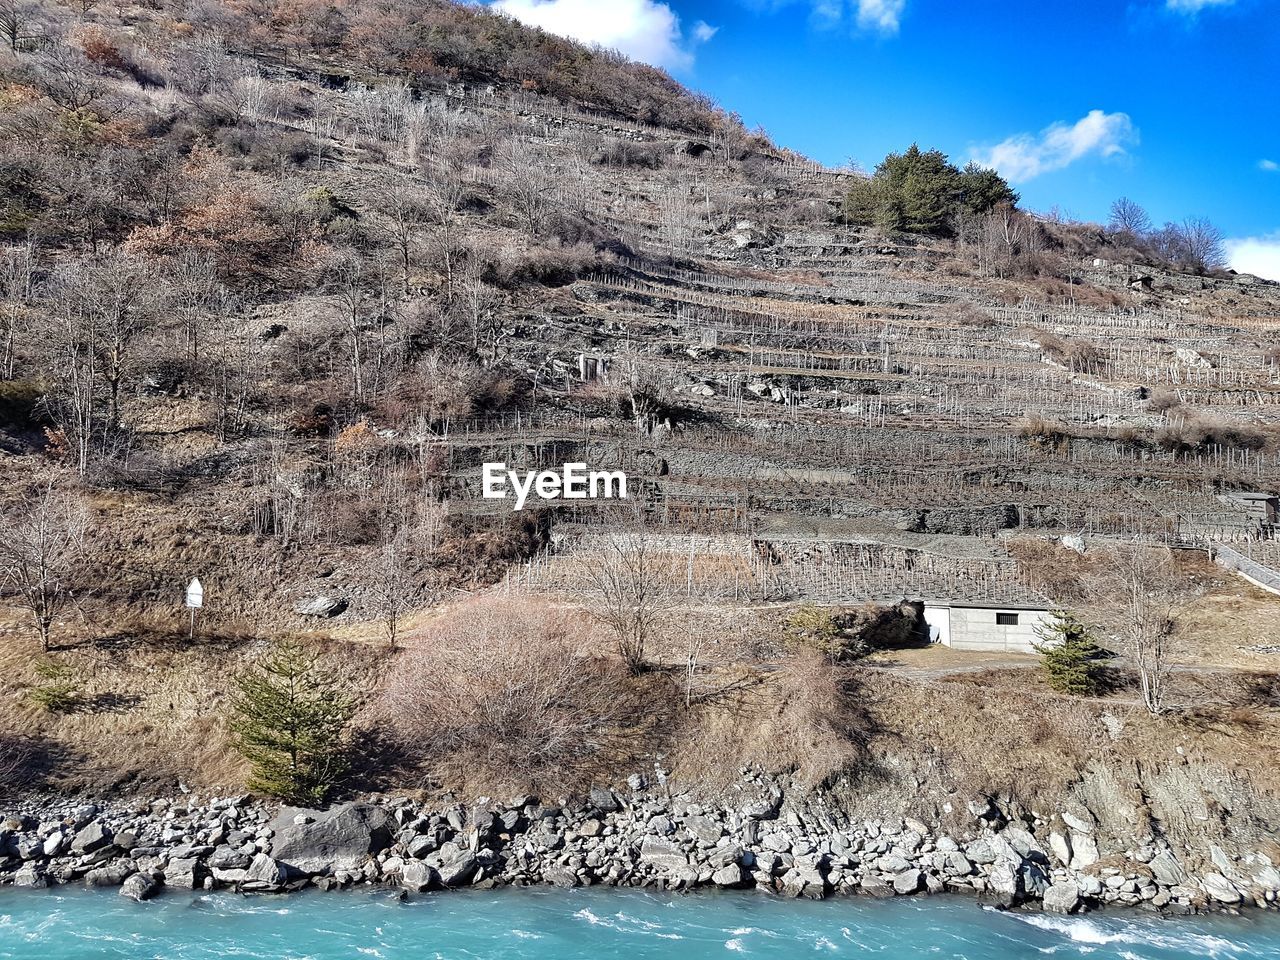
{"x":1070,"y":656}
{"x":59,"y":689}
{"x":508,"y":692}
{"x":290,"y":719}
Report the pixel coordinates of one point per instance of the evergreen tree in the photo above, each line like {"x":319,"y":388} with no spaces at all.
{"x":290,"y":717}
{"x":983,"y":189}
{"x":1070,"y":655}
{"x":921,"y":191}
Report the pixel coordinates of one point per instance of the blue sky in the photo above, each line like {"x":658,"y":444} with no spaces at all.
{"x":1173,"y":103}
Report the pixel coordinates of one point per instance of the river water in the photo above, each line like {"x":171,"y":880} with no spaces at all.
{"x":547,"y":924}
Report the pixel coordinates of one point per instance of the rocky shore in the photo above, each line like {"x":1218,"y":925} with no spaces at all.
{"x":793,"y":844}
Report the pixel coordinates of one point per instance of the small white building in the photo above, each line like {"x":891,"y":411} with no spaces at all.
{"x":1012,"y":628}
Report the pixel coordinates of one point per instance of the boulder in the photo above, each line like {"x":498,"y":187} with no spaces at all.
{"x":53,"y":843}
{"x":139,"y":887}
{"x":1220,"y":888}
{"x":93,"y":836}
{"x":1084,"y":851}
{"x":908,"y":881}
{"x":662,"y":854}
{"x":1166,"y":869}
{"x":604,"y":800}
{"x":1061,"y":898}
{"x":730,"y":876}
{"x":321,"y":607}
{"x":181,"y":873}
{"x":313,"y":842}
{"x":458,"y":871}
{"x":30,"y":876}
{"x":416,"y":876}
{"x":562,"y":877}
{"x":264,"y":875}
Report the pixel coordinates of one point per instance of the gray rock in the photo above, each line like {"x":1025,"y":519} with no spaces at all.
{"x":111,"y":875}
{"x":908,"y":881}
{"x":342,"y":838}
{"x":264,"y":874}
{"x":1060,"y":847}
{"x":705,"y":830}
{"x":604,"y":800}
{"x":321,"y":607}
{"x":459,"y":870}
{"x":562,"y":877}
{"x":53,"y":843}
{"x":1084,"y":851}
{"x":1061,"y":898}
{"x":93,"y":836}
{"x":181,"y":874}
{"x":1166,"y":869}
{"x":1220,"y":888}
{"x":664,"y":855}
{"x":416,"y":876}
{"x":893,"y":863}
{"x":30,"y":875}
{"x":139,"y":887}
{"x":731,"y":876}
{"x":1077,"y":823}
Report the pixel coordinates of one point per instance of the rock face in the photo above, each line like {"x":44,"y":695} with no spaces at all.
{"x":312,"y":842}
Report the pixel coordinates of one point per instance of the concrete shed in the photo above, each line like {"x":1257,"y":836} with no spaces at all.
{"x":980,"y":626}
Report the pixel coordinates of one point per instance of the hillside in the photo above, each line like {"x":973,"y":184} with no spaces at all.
{"x":278,"y":279}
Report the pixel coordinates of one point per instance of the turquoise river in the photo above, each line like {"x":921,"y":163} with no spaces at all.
{"x":547,"y":924}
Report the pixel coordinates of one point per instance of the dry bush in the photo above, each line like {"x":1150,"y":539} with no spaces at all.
{"x":508,"y":694}
{"x":1076,"y":354}
{"x":1163,"y":401}
{"x":964,"y":314}
{"x":1050,"y":567}
{"x":1042,"y":432}
{"x":804,"y":719}
{"x":1194,"y":431}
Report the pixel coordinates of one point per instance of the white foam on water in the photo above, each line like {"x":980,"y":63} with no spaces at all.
{"x":526,"y":935}
{"x":1084,"y":931}
{"x":736,"y":945}
{"x":822,"y":943}
{"x":756,"y":931}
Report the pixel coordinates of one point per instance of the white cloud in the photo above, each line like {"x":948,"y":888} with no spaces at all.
{"x":1024,"y":157}
{"x":1257,"y":255}
{"x":1195,"y":6}
{"x":1269,"y":166}
{"x":882,"y":16}
{"x":645,"y":30}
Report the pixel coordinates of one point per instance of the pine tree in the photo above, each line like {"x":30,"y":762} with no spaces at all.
{"x":290,"y":717}
{"x":1071,"y":657}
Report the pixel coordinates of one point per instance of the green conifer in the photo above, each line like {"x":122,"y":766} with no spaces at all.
{"x":1070,"y":655}
{"x":290,"y":720}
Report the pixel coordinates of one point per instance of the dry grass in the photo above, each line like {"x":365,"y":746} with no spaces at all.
{"x":152,"y":706}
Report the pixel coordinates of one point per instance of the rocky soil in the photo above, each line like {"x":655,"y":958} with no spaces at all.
{"x":772,"y":840}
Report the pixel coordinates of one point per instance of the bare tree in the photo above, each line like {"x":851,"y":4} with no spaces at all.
{"x":1195,"y":244}
{"x":529,"y":182}
{"x":39,"y":549}
{"x":17,"y":295}
{"x":1129,"y":220}
{"x":404,"y":211}
{"x":391,"y":587}
{"x":1139,"y":595}
{"x":629,"y":595}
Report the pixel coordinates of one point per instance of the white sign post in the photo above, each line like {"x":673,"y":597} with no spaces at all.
{"x":195,"y":601}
